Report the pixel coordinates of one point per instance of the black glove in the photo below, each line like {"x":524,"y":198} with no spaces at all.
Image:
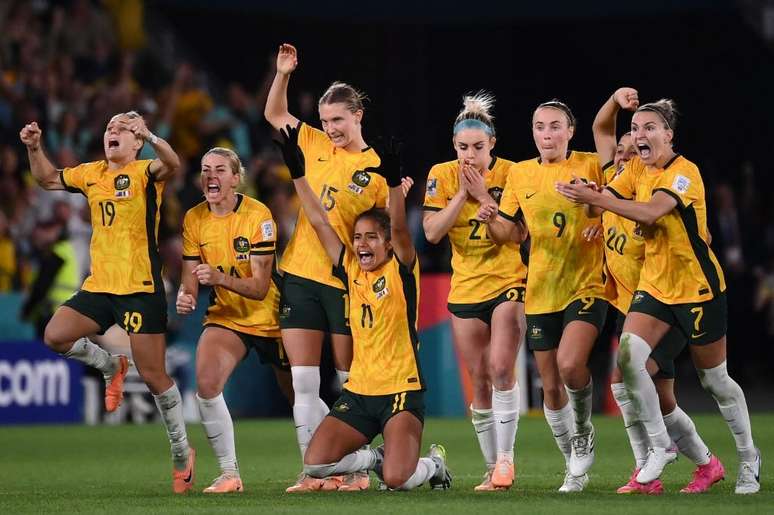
{"x":391,"y":167}
{"x":291,"y":153}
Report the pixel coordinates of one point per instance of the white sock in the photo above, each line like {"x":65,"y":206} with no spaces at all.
{"x":170,"y":405}
{"x":505,"y":408}
{"x":638,"y":437}
{"x":733,"y":406}
{"x":682,"y":431}
{"x":91,"y":354}
{"x":561,"y":423}
{"x":308,"y":409}
{"x":357,"y":461}
{"x":580,"y":400}
{"x":632,"y":355}
{"x":342,"y":376}
{"x":426,"y":468}
{"x":483,"y":423}
{"x":220,"y":431}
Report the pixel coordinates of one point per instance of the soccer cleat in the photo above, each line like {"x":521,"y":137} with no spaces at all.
{"x":355,"y":482}
{"x":582,"y":453}
{"x":305,"y":483}
{"x":658,"y":458}
{"x":504,"y":473}
{"x":705,"y":476}
{"x":442,"y":478}
{"x":573,"y":484}
{"x":486,"y":485}
{"x":331,"y":483}
{"x":225,"y":483}
{"x":749,"y":479}
{"x":114,"y":391}
{"x":183,"y":480}
{"x":633,"y":487}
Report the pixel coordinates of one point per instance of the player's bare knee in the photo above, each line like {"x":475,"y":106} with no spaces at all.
{"x":394,"y":479}
{"x":553,"y":394}
{"x":503,"y":374}
{"x":52,"y":337}
{"x":208,"y":387}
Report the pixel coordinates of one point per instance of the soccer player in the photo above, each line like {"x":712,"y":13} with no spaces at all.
{"x":125,"y":285}
{"x":624,"y":247}
{"x":313,"y":301}
{"x":681,"y":284}
{"x":229,"y":244}
{"x":566,"y":298}
{"x":488,"y":283}
{"x":385,"y":390}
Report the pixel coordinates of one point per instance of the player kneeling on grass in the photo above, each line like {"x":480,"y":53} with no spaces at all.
{"x":229,"y":244}
{"x":384,"y":393}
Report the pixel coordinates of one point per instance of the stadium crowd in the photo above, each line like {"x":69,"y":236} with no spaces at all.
{"x":71,"y":65}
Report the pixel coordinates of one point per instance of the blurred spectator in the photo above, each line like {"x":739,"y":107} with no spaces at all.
{"x":8,"y":267}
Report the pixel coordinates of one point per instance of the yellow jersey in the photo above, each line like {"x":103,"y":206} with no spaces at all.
{"x":226,"y":243}
{"x":679,"y":265}
{"x":383,"y":312}
{"x":563,"y":266}
{"x":481,"y":269}
{"x":124,"y":206}
{"x":345,"y":190}
{"x":624,"y":252}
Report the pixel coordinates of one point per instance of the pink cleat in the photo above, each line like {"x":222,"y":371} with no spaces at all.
{"x":633,"y":487}
{"x":705,"y":476}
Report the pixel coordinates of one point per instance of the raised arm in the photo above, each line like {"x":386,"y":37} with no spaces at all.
{"x":167,"y":163}
{"x":276,"y":110}
{"x":390,"y":169}
{"x":45,"y":173}
{"x":604,"y":122}
{"x":294,"y":159}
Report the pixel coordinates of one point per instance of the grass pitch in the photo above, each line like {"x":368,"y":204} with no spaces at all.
{"x":126,"y":469}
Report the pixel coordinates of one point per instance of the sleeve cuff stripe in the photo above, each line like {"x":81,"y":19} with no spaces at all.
{"x":672,"y":194}
{"x":618,"y":195}
{"x":507,"y":217}
{"x":431,"y":208}
{"x":261,"y":252}
{"x":262,"y":244}
{"x":191,"y":258}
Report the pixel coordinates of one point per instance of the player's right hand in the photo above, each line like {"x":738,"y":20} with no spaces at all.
{"x":186,"y":303}
{"x":291,"y":152}
{"x":30,"y":135}
{"x":486,"y":212}
{"x":627,"y":98}
{"x":287,"y":59}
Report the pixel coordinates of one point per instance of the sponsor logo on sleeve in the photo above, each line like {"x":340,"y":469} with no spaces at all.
{"x":681,"y":184}
{"x":267,"y":228}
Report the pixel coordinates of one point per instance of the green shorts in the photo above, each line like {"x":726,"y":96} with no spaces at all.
{"x":699,"y":322}
{"x":307,"y":304}
{"x":544,"y":331}
{"x":270,"y":350}
{"x":483,"y":310}
{"x":665,"y":352}
{"x":142,"y":313}
{"x":370,"y":413}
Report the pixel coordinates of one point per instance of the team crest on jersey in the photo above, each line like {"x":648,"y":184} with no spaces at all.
{"x":121,"y":183}
{"x":637,"y":298}
{"x":496,"y":193}
{"x":242,"y":246}
{"x":432,"y":187}
{"x":360,"y":179}
{"x":380,"y":288}
{"x":284,"y":312}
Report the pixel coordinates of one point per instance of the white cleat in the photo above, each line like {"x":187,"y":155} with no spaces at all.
{"x":582,"y":453}
{"x":749,"y":479}
{"x":658,"y":458}
{"x":573,"y":483}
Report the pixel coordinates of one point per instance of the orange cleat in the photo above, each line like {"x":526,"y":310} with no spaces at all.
{"x":332,"y":483}
{"x":114,"y":392}
{"x":305,"y":484}
{"x":225,"y":483}
{"x":355,"y":482}
{"x":503,"y":473}
{"x":183,"y":480}
{"x":486,"y":485}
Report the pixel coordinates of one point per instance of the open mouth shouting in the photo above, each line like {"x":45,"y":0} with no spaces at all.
{"x":644,"y":150}
{"x":366,"y":258}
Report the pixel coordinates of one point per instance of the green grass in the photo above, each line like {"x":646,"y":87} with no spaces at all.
{"x":126,"y":469}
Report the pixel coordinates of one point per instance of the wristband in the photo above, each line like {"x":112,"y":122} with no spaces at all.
{"x":153,"y":139}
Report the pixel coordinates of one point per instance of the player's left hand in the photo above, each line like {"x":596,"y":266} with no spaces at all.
{"x":593,"y":232}
{"x":208,"y":275}
{"x":405,"y":185}
{"x":475,"y":184}
{"x":139,"y":129}
{"x":486,"y":212}
{"x":390,"y":152}
{"x":578,"y":191}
